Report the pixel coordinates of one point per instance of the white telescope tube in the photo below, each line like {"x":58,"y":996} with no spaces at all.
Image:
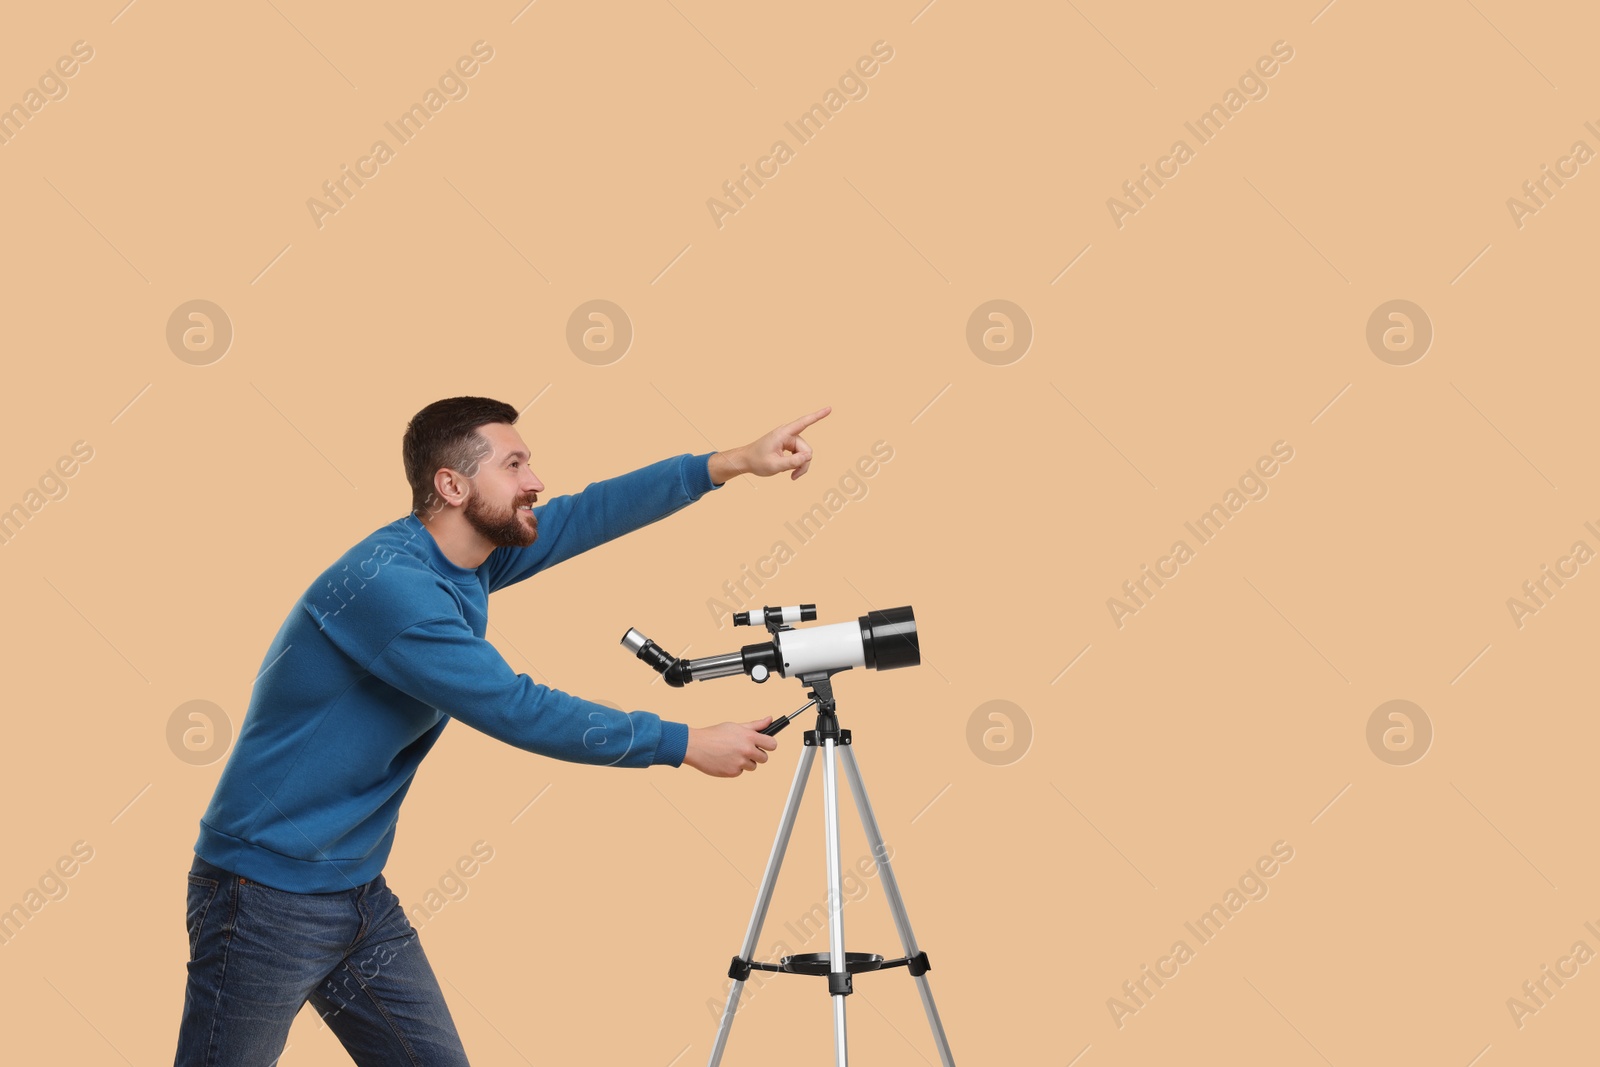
{"x":820,"y":648}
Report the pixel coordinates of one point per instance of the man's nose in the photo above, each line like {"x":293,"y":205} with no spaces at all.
{"x":534,"y":485}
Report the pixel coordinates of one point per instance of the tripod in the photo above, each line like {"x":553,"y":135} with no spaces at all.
{"x":838,"y":965}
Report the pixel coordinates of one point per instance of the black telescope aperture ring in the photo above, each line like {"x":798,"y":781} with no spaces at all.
{"x":889,"y":639}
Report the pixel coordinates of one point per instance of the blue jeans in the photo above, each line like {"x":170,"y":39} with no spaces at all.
{"x":257,"y":954}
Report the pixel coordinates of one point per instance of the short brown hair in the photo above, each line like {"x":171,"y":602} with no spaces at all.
{"x":445,"y":434}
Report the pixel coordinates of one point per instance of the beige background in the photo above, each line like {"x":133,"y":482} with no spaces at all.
{"x":1148,"y":766}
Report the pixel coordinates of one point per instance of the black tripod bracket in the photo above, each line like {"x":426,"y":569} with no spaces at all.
{"x":821,"y":694}
{"x":819,"y":735}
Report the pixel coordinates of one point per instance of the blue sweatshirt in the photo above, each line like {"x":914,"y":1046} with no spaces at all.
{"x":382,"y":650}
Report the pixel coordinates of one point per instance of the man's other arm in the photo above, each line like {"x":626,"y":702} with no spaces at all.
{"x":442,"y":663}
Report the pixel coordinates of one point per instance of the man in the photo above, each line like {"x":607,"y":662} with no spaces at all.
{"x":286,"y":898}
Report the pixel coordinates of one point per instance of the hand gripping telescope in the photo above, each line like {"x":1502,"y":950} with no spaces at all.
{"x":879,"y":640}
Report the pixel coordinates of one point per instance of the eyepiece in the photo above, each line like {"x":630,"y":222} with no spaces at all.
{"x":654,"y":656}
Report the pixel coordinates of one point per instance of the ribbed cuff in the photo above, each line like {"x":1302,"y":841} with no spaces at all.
{"x":674,"y":744}
{"x":697,"y":476}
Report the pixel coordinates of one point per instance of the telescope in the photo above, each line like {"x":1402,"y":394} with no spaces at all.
{"x":878,"y":640}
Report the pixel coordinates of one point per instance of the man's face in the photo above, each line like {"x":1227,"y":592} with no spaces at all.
{"x":503,"y":490}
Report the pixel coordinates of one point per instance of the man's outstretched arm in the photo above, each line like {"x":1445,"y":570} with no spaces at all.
{"x":601,"y":512}
{"x":607,"y":509}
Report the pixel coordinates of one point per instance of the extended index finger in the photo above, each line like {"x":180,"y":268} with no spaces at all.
{"x":806,"y":420}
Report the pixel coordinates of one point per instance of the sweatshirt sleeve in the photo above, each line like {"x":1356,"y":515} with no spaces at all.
{"x":601,"y":512}
{"x":442,"y":663}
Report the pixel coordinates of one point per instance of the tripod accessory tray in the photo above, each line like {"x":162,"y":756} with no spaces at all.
{"x":822,"y":962}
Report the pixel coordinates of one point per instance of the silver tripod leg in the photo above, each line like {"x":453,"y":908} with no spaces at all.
{"x":897,"y":906}
{"x":797,"y":790}
{"x":836,"y":958}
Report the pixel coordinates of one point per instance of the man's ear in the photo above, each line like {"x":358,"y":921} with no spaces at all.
{"x":451,"y":487}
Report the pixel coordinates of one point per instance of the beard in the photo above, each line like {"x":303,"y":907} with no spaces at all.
{"x":505,"y":528}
